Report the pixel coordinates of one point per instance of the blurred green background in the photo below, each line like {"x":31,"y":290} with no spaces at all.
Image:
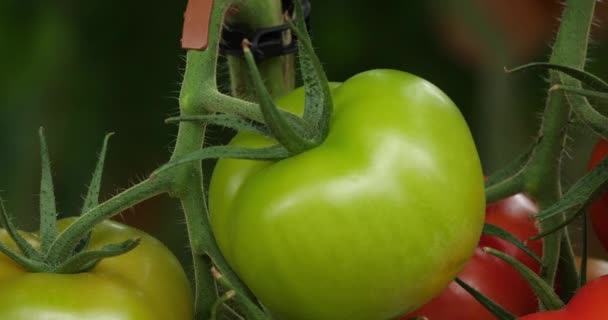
{"x":85,"y":68}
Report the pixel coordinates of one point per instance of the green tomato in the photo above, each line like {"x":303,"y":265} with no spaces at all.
{"x":147,"y":283}
{"x":369,"y":225}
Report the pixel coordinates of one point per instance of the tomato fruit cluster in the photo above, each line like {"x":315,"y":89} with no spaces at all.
{"x":147,"y":283}
{"x":372,"y":223}
{"x":489,"y":274}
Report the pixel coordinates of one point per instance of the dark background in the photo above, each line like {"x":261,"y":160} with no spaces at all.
{"x":84,"y":68}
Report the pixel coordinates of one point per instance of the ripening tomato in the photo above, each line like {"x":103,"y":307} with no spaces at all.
{"x":370,"y":224}
{"x":587,"y":304}
{"x":147,"y":283}
{"x":489,"y":274}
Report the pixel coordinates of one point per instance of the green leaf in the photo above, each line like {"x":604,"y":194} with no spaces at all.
{"x":494,"y":308}
{"x":580,"y":91}
{"x":23,"y":245}
{"x":493,"y":230}
{"x":233,"y":121}
{"x":48,"y":211}
{"x":318,"y":103}
{"x":281,"y":129}
{"x":581,"y":75}
{"x":543,"y":291}
{"x":87,"y":260}
{"x":270,"y":153}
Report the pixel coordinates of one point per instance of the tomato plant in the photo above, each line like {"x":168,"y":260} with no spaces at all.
{"x":144,"y":284}
{"x":599,"y":209}
{"x":370,"y":224}
{"x":490,"y":275}
{"x":587,"y":304}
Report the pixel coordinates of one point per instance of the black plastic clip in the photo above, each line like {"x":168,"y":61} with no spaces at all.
{"x":265,"y":42}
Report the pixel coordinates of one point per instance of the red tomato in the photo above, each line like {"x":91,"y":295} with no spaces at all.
{"x":599,"y":209}
{"x":587,"y":304}
{"x":489,"y":274}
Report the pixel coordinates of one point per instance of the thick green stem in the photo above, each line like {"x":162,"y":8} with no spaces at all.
{"x":543,"y":180}
{"x":188,"y":179}
{"x":278,"y":72}
{"x":198,"y":96}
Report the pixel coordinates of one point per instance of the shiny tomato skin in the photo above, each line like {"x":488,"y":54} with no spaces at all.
{"x":599,"y":209}
{"x":147,"y":283}
{"x":370,"y":224}
{"x":489,"y":274}
{"x":589,"y":303}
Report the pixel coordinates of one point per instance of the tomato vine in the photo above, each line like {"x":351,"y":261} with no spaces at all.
{"x":252,"y":108}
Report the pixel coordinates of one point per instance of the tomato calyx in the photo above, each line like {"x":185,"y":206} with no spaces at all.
{"x":293,"y":133}
{"x":34,"y":258}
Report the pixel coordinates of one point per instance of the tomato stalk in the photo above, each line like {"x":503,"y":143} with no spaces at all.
{"x":198,"y":90}
{"x":538,"y":172}
{"x":200,"y":96}
{"x":543,"y":180}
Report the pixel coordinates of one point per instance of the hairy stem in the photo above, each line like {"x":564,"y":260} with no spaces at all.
{"x":64,"y":245}
{"x":543,"y":179}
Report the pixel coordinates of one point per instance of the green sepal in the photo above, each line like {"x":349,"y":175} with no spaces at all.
{"x":569,"y":217}
{"x":232,"y":121}
{"x":490,"y":305}
{"x":511,"y":169}
{"x":509,"y":180}
{"x":585,"y":191}
{"x":27,"y":263}
{"x":276,"y":152}
{"x":587,"y":114}
{"x":543,"y":291}
{"x":25,"y":247}
{"x":92,"y":198}
{"x":318,"y":107}
{"x":48,"y":211}
{"x":581,"y":75}
{"x":281,"y":129}
{"x":495,"y":231}
{"x":86,"y":260}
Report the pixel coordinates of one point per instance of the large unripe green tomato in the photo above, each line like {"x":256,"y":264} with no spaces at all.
{"x":147,"y":283}
{"x":369,"y":225}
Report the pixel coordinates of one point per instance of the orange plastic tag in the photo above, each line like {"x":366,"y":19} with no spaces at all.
{"x":195,"y":35}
